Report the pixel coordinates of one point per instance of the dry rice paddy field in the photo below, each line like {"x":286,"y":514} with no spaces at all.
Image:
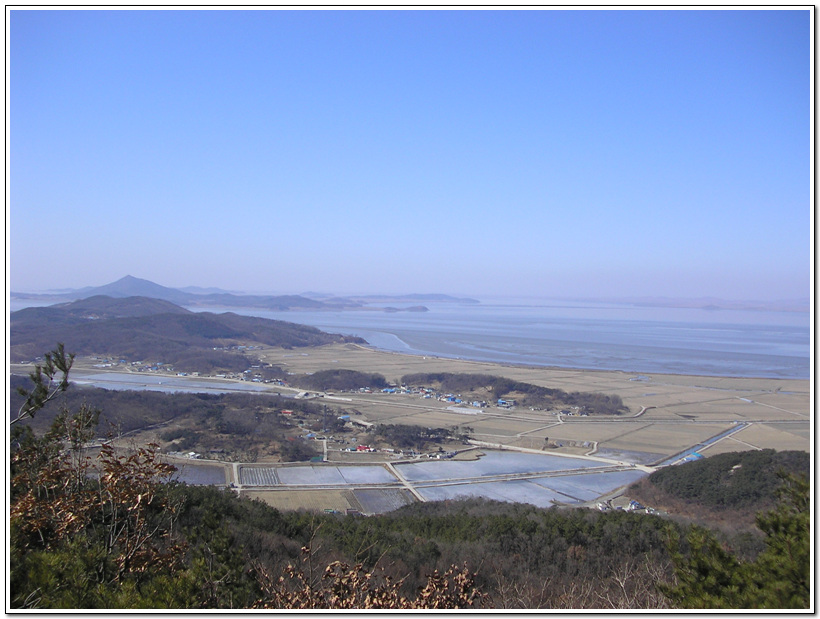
{"x":680,"y":411}
{"x":669,"y":415}
{"x":311,"y":500}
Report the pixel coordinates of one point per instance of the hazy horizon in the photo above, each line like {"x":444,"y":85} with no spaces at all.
{"x":481,"y":297}
{"x":540,"y":153}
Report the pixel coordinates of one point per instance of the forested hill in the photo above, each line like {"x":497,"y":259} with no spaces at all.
{"x":136,"y":328}
{"x":722,"y":490}
{"x":94,"y":308}
{"x":129,"y":286}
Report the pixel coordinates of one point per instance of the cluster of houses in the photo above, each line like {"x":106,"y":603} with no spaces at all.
{"x":440,"y":455}
{"x":139,"y":366}
{"x":428,"y":394}
{"x":253,"y":374}
{"x":361,"y":449}
{"x":191,"y":455}
{"x":632,"y":506}
{"x":237,"y":348}
{"x":108,"y":362}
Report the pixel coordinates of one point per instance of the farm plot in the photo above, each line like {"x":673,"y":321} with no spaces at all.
{"x":381,"y":500}
{"x":729,"y":408}
{"x":201,"y":474}
{"x":487,"y":426}
{"x":764,"y":436}
{"x":573,"y":380}
{"x":588,"y":431}
{"x":366,"y":475}
{"x":675,"y":396}
{"x":258,"y":476}
{"x":441,"y":480}
{"x":310,"y":500}
{"x":666,"y":438}
{"x":634,"y":457}
{"x":311,"y":476}
{"x":801,"y":430}
{"x":519,"y":491}
{"x":527,"y":442}
{"x":493,"y":463}
{"x":588,"y":487}
{"x":739,"y":385}
{"x":795,"y":402}
{"x":315,"y":475}
{"x":773,"y":408}
{"x":439,"y":419}
{"x":744,"y":409}
{"x":730,"y":444}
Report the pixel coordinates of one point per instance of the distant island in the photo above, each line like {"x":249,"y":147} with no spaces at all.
{"x":212,"y":297}
{"x":414,"y":308}
{"x":410,"y":298}
{"x":192,"y":296}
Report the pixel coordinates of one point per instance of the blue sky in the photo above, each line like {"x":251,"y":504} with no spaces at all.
{"x":533,"y":153}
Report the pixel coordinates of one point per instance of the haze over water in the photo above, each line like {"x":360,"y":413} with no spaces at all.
{"x":599,"y":153}
{"x":600,"y":336}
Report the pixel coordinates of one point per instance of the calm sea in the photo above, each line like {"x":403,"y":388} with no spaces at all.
{"x":601,"y":336}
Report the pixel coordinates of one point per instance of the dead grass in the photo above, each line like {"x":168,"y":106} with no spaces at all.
{"x":310,"y":500}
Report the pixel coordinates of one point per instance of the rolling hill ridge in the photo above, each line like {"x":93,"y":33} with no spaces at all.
{"x":136,"y":328}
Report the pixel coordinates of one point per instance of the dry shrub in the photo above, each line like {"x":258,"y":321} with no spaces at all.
{"x":342,"y":586}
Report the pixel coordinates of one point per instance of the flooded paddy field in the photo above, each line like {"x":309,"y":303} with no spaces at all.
{"x":588,"y":487}
{"x":140,"y":381}
{"x":315,"y":475}
{"x":541,"y":480}
{"x":491,"y":464}
{"x":201,"y":474}
{"x":510,"y":491}
{"x":379,"y":501}
{"x":538,"y":491}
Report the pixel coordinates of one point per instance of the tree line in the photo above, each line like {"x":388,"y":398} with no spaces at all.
{"x":526,"y":394}
{"x":340,"y":379}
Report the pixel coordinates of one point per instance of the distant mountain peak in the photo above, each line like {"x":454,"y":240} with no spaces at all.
{"x":130,"y":280}
{"x":130,"y":286}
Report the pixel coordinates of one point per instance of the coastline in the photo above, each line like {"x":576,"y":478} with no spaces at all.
{"x":558,"y":368}
{"x":596,"y":338}
{"x":754,"y":382}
